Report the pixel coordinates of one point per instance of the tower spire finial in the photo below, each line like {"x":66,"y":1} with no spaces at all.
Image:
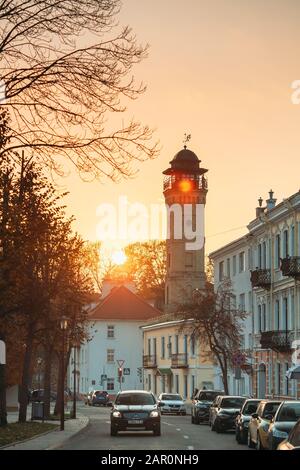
{"x":187,"y":138}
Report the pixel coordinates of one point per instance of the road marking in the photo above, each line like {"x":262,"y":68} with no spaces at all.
{"x":190,"y":447}
{"x":186,"y":437}
{"x":107,"y":422}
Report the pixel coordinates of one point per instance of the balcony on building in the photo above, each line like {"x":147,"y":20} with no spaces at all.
{"x":174,"y":181}
{"x":261,"y":278}
{"x":149,"y":361}
{"x":179,"y":361}
{"x":290,"y":266}
{"x":278,"y":340}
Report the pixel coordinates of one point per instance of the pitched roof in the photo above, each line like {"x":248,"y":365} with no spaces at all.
{"x":123,"y":304}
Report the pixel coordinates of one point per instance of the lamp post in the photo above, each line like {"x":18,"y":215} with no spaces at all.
{"x":63,"y":327}
{"x":74,"y":381}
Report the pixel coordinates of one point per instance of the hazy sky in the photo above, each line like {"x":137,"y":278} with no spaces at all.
{"x":221,"y":70}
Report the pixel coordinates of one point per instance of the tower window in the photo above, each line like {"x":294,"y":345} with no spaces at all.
{"x":189,"y":260}
{"x":221,"y":271}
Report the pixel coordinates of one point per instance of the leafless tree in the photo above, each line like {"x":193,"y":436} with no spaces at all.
{"x":67,"y":70}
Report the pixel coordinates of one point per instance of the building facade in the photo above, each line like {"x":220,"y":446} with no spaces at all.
{"x":173,"y":360}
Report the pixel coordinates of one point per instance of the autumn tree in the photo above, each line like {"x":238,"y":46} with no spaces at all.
{"x":217,"y":322}
{"x":67,"y":68}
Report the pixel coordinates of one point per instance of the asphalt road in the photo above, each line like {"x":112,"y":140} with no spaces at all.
{"x":177,"y":434}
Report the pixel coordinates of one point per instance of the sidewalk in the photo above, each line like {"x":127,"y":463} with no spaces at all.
{"x":52,"y":439}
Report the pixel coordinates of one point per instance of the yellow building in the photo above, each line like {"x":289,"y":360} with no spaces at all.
{"x":173,"y":360}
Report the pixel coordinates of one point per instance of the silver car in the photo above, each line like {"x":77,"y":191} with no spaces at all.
{"x":171,"y":403}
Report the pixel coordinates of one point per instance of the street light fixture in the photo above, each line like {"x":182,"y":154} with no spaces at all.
{"x":75,"y":346}
{"x":63,"y":327}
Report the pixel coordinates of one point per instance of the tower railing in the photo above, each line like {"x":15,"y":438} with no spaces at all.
{"x":171,"y":181}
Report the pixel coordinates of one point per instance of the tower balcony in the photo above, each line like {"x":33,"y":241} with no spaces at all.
{"x":179,"y":361}
{"x":279,"y":340}
{"x":261,"y":278}
{"x":149,"y":361}
{"x":174,"y":181}
{"x":290,"y":266}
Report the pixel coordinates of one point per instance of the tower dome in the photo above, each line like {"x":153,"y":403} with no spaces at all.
{"x":185,"y":161}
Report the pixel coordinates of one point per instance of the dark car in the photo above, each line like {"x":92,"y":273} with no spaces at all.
{"x":293,"y":440}
{"x":224,"y":411}
{"x":284,"y":420}
{"x":243,"y":418}
{"x":100,"y":398}
{"x":201,"y":404}
{"x":135,"y":410}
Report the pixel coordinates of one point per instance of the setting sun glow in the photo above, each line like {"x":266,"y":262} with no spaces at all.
{"x":118,"y":257}
{"x":185,"y":186}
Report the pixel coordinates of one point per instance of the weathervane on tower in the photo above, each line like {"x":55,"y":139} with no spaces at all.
{"x":187,"y":138}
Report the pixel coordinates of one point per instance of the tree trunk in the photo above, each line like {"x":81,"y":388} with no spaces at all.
{"x":47,"y":378}
{"x":26,"y":375}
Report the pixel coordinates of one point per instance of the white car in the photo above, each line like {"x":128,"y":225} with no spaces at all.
{"x":171,"y":403}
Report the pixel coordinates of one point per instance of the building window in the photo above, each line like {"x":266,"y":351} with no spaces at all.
{"x":163,"y":383}
{"x":154,"y":347}
{"x":234,"y":265}
{"x":149,"y":382}
{"x":177,"y":383}
{"x":228,"y":267}
{"x":242,"y":305}
{"x":259,"y":256}
{"x":185,"y":344}
{"x":277,"y":251}
{"x":110,"y":354}
{"x":264,"y":255}
{"x":242,"y":262}
{"x":149,"y":347}
{"x":277,"y":316}
{"x":193,"y":345}
{"x":163,"y":352}
{"x":259,"y":319}
{"x":185,"y":386}
{"x":292,"y":245}
{"x":110,"y":331}
{"x":285,"y":314}
{"x":110,"y":384}
{"x":169,"y":346}
{"x":192,"y":385}
{"x":264,"y":318}
{"x":221,"y":271}
{"x":189,"y":260}
{"x":176,"y":344}
{"x":169,"y":260}
{"x":249,"y":259}
{"x":242,"y":342}
{"x":285,"y":243}
{"x":278,"y":378}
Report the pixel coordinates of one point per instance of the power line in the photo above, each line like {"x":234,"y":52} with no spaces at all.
{"x":226,"y":231}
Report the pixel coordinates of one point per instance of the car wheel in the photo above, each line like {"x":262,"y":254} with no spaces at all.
{"x":259,"y":445}
{"x":218,"y":428}
{"x":238,"y":436}
{"x":113,"y":431}
{"x":156,"y":431}
{"x":249,"y":441}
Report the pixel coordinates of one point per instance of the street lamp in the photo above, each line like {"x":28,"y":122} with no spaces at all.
{"x":63,"y":327}
{"x":76,"y":345}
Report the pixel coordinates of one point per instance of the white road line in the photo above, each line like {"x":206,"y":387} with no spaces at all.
{"x":178,"y":429}
{"x":107,"y":422}
{"x":186,"y":437}
{"x":190,"y":447}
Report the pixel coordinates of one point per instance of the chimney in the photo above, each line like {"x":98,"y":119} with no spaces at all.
{"x":260,"y":209}
{"x":271,"y":202}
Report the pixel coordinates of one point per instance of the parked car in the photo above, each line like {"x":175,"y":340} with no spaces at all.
{"x":243,"y":419}
{"x":284,"y":420}
{"x":171,"y":403}
{"x":201,"y":404}
{"x":223,"y":412}
{"x":260,"y":422}
{"x":135,"y":410}
{"x":87,"y":398}
{"x":293,"y":440}
{"x":39,"y":395}
{"x":100,"y":398}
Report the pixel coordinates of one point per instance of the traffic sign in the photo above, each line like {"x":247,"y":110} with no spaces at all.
{"x":126,"y":371}
{"x":120,"y":362}
{"x":238,"y":358}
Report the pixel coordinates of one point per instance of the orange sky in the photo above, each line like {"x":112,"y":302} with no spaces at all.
{"x":221,"y":70}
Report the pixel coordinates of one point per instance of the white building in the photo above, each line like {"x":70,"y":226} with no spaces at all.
{"x":115,"y":335}
{"x":233,"y":261}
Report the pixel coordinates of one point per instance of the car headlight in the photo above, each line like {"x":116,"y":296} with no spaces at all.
{"x":116,"y":414}
{"x":154,"y":414}
{"x":280,"y":434}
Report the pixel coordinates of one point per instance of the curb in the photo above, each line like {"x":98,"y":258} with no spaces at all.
{"x":29,"y":439}
{"x":57,"y":446}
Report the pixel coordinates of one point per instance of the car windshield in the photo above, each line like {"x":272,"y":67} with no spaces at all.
{"x":207,"y":396}
{"x":135,"y":399}
{"x":270,"y":409}
{"x":289,"y":412}
{"x":171,"y":397}
{"x":250,"y":408}
{"x":232,"y":402}
{"x":100,"y":393}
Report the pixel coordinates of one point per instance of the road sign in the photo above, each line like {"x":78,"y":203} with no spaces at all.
{"x":238,"y":358}
{"x":120,"y":362}
{"x":126,"y":371}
